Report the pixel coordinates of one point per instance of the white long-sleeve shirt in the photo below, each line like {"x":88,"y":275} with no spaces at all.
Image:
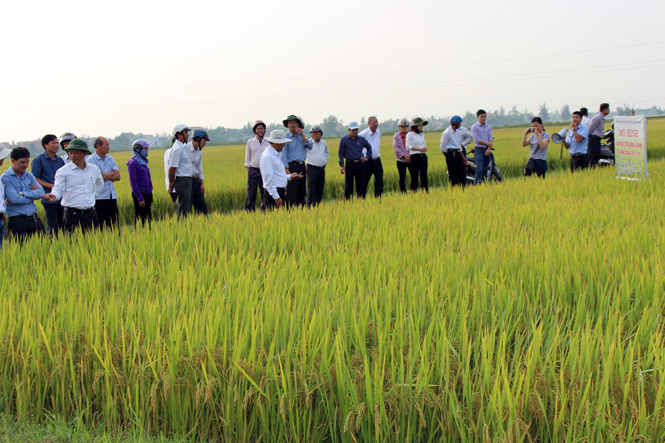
{"x":374,"y":140}
{"x":272,"y":171}
{"x":253,"y":152}
{"x":196,"y":158}
{"x":414,"y":140}
{"x":78,"y":187}
{"x":450,"y":139}
{"x":167,"y":162}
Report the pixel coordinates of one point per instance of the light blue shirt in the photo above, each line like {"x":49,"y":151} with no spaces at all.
{"x":575,"y":147}
{"x":20,"y":204}
{"x":296,"y":151}
{"x":105,"y":166}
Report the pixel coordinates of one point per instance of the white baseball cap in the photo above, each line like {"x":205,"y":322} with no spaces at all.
{"x":354,"y":125}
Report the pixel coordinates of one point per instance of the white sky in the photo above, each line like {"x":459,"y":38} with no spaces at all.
{"x":101,"y":68}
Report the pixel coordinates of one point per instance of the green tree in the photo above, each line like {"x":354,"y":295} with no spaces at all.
{"x":543,"y":112}
{"x":565,"y":113}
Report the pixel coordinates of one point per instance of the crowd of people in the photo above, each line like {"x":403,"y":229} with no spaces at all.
{"x":284,"y":169}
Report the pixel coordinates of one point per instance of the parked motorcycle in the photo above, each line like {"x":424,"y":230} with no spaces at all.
{"x":607,"y":149}
{"x":493,"y":172}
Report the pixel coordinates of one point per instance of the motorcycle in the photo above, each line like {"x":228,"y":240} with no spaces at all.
{"x":493,"y":172}
{"x":607,"y":149}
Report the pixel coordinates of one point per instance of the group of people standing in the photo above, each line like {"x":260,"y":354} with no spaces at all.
{"x":286,"y":168}
{"x":77,"y":189}
{"x":304,"y":159}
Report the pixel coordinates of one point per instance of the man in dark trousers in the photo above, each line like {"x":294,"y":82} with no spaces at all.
{"x":596,"y":134}
{"x":44,"y":167}
{"x":106,"y":203}
{"x":21,"y":190}
{"x":373,"y":167}
{"x":451,"y":146}
{"x":294,"y":156}
{"x":78,"y":183}
{"x":351,"y":149}
{"x":255,"y":147}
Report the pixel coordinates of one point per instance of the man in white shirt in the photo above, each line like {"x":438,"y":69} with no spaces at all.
{"x":167,"y":163}
{"x":106,"y":204}
{"x":255,"y":147}
{"x":199,"y":140}
{"x":317,"y":158}
{"x":78,"y":184}
{"x":273,"y":172}
{"x":586,"y":121}
{"x":451,"y":147}
{"x":181,"y":172}
{"x":373,"y":166}
{"x":4,"y":153}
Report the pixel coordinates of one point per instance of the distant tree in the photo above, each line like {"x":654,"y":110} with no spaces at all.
{"x":565,"y":112}
{"x":32,"y":148}
{"x":362,"y":121}
{"x":330,"y":125}
{"x":543,"y":113}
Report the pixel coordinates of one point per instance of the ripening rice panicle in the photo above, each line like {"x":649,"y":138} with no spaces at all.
{"x":525,"y":311}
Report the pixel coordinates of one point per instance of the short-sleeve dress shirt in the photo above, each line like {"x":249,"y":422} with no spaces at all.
{"x":105,"y":165}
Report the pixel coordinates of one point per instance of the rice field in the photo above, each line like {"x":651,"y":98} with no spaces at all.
{"x":521,"y":312}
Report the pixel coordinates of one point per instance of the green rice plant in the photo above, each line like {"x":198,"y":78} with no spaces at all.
{"x":525,"y":311}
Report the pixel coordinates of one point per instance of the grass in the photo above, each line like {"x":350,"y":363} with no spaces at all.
{"x":526,"y":311}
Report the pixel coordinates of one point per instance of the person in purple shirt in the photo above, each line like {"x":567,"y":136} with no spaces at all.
{"x":482,"y":135}
{"x":139,"y":180}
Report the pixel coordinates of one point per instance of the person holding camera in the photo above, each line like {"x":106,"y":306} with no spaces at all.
{"x":538,"y":143}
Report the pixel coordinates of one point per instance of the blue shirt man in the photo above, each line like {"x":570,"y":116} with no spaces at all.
{"x":574,"y":146}
{"x":21,"y":191}
{"x":576,"y":142}
{"x":296,"y":151}
{"x":44,"y":168}
{"x":293,"y":157}
{"x":351,"y":148}
{"x":105,"y":165}
{"x":21,"y":188}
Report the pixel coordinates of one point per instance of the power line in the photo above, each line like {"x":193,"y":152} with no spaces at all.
{"x":377,"y":89}
{"x":456,"y":65}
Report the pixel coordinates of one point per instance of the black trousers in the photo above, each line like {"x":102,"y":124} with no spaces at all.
{"x":577,"y":163}
{"x":22,"y":226}
{"x":374,"y":168}
{"x":107,"y":213}
{"x":198,"y":199}
{"x":296,"y":189}
{"x":419,"y":170}
{"x":593,"y":152}
{"x":174,"y":196}
{"x":270,"y":202}
{"x":402,"y":167}
{"x":354,"y":172}
{"x":143,"y":213}
{"x":76,"y":218}
{"x":456,"y":168}
{"x":183,"y":201}
{"x":316,"y":179}
{"x":254,"y":182}
{"x":54,"y":213}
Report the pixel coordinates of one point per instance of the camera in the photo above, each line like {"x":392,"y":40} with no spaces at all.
{"x":530,"y":130}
